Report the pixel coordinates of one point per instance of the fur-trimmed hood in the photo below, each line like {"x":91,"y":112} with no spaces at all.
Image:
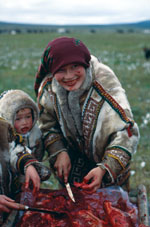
{"x":13,"y":100}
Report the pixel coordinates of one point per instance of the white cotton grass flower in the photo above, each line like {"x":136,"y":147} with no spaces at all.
{"x":131,"y":67}
{"x":146,"y":120}
{"x":142,"y":164}
{"x":146,"y":66}
{"x":132,"y":172}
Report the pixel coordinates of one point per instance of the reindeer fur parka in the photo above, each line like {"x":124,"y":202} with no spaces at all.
{"x":10,"y":102}
{"x":94,"y":124}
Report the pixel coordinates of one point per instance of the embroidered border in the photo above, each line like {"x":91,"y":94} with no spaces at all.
{"x":122,"y":157}
{"x":91,"y":113}
{"x":112,"y":102}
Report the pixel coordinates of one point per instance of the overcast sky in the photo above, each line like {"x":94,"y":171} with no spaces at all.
{"x":74,"y":11}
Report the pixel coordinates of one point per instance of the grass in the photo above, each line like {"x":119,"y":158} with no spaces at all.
{"x":20,"y":57}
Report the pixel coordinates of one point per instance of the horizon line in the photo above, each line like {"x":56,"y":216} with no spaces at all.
{"x":121,"y":23}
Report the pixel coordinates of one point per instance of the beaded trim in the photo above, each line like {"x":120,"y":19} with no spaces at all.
{"x":112,"y":102}
{"x":120,"y":148}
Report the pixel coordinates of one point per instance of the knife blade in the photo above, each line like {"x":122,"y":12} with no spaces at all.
{"x":70,"y":192}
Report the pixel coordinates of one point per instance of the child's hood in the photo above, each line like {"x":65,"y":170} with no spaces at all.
{"x":13,"y":100}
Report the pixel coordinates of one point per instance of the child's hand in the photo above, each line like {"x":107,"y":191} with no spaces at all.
{"x":31,"y":174}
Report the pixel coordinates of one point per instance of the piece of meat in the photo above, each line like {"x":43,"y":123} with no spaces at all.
{"x":116,"y":217}
{"x":85,"y":217}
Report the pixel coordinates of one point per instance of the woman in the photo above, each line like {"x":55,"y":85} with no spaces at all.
{"x":85,"y":117}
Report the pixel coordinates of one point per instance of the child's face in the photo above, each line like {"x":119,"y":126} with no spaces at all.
{"x":71,"y":76}
{"x":23,"y":121}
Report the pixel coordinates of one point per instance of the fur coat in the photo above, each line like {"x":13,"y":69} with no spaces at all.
{"x":94,"y":124}
{"x":31,"y":150}
{"x":10,"y":102}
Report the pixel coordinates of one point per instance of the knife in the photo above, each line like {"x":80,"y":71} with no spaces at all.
{"x":25,"y":207}
{"x":70,"y":192}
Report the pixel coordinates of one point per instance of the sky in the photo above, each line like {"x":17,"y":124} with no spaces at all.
{"x":67,"y":12}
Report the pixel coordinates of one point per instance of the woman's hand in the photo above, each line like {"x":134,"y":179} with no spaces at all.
{"x":31,"y":174}
{"x":6,"y":204}
{"x":63,"y":166}
{"x":95,"y":177}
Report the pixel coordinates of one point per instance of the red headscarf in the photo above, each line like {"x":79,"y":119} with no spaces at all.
{"x":60,"y":52}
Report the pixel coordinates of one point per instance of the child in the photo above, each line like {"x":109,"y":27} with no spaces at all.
{"x":8,"y":141}
{"x":87,"y":122}
{"x":19,"y":109}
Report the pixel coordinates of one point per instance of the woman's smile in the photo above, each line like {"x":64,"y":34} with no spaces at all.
{"x":71,"y":82}
{"x":71,"y":76}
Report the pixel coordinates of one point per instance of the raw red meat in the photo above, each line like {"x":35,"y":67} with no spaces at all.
{"x":109,"y":207}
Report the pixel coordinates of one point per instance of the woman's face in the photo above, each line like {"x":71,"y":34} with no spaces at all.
{"x":71,"y":76}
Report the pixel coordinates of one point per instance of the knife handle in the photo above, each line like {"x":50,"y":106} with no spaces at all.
{"x":22,"y":206}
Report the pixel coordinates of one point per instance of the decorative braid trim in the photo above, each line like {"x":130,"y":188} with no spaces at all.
{"x":23,"y":158}
{"x":112,"y":102}
{"x":19,"y":160}
{"x":30,"y":162}
{"x":45,"y":84}
{"x":50,"y":140}
{"x":115,"y":157}
{"x":121,"y":155}
{"x":120,"y":148}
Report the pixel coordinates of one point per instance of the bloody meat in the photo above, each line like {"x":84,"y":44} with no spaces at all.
{"x":109,"y":207}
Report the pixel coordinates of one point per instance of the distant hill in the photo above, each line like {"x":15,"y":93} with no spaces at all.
{"x":19,"y":27}
{"x":143,"y":24}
